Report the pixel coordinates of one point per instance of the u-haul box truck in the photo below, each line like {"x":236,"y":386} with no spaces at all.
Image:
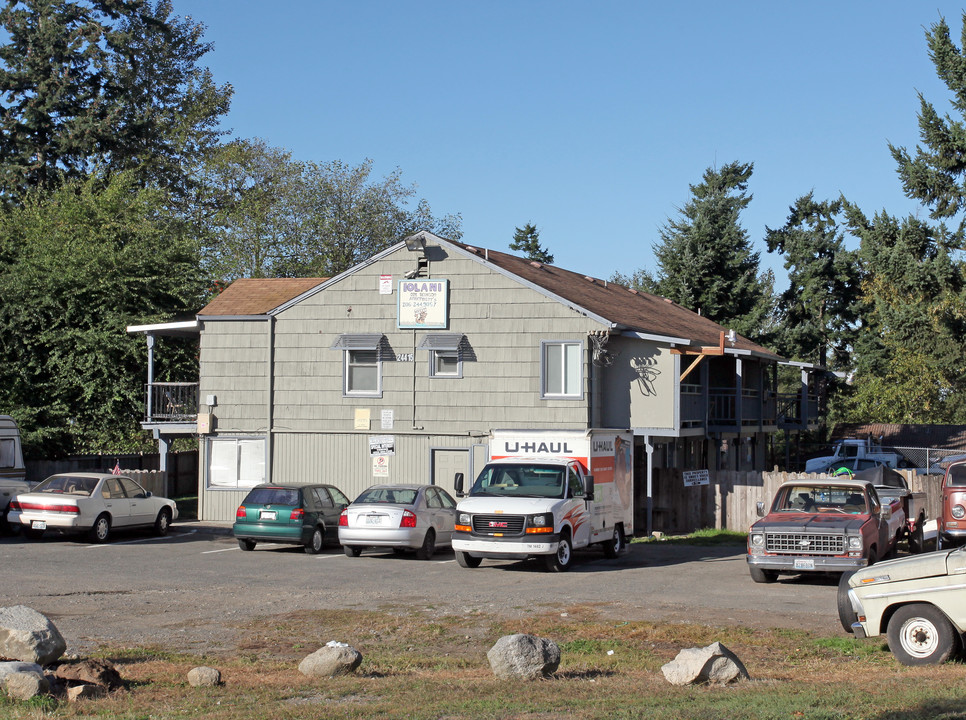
{"x":546,"y":493}
{"x":12,"y":471}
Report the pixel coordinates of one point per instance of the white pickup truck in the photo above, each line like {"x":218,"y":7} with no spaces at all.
{"x":545,"y":494}
{"x":853,"y":448}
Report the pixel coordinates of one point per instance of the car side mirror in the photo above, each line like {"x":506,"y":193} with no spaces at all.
{"x":147,"y":494}
{"x":886,"y":512}
{"x":458,"y":484}
{"x":760,"y":508}
{"x":588,"y":487}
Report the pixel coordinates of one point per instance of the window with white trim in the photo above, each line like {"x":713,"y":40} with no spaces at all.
{"x":235,"y":463}
{"x":561,"y":369}
{"x":445,"y":354}
{"x":361,"y":364}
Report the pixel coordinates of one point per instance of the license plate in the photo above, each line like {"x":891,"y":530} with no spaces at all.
{"x":267,"y":515}
{"x":373,"y":519}
{"x":38,"y":525}
{"x":804,"y":564}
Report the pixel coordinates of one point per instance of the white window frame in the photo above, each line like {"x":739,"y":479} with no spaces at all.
{"x":235,"y":463}
{"x":434,"y":369}
{"x":572,"y":361}
{"x":347,"y":364}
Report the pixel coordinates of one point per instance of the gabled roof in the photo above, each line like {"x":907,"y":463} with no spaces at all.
{"x":628,"y":309}
{"x":257,"y":296}
{"x":943,"y":437}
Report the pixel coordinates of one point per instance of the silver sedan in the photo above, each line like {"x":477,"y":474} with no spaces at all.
{"x":415,"y":517}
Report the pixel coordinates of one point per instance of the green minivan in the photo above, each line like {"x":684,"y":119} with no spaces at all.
{"x":306,"y":515}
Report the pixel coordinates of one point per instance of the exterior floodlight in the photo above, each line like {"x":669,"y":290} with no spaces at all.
{"x":415,"y":243}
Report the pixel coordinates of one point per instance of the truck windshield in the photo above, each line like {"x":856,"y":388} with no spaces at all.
{"x":521,"y":481}
{"x":813,"y":499}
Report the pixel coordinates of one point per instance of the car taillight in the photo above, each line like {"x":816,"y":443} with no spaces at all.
{"x":14,"y":505}
{"x":344,"y":519}
{"x":241,"y":513}
{"x":408,"y":519}
{"x":42,"y":507}
{"x":297,"y":514}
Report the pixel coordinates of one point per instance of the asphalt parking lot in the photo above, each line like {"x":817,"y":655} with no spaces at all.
{"x":195,"y":588}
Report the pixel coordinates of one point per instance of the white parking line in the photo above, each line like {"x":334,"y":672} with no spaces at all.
{"x":209,"y":552}
{"x":328,"y":557}
{"x":128,"y":542}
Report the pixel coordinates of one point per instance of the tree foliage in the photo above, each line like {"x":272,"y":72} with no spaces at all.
{"x":113,"y":84}
{"x":705,"y":258}
{"x":818,"y":313}
{"x":77,"y":266}
{"x":527,"y":241}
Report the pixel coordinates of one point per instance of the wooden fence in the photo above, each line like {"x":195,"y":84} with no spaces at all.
{"x":729,"y":500}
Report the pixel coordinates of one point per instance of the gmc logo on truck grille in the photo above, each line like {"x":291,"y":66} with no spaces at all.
{"x":501,"y":524}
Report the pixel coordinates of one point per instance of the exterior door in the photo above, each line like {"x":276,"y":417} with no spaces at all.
{"x":116,"y":502}
{"x":446,"y":463}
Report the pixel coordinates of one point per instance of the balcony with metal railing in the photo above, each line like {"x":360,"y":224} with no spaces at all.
{"x":171,"y":402}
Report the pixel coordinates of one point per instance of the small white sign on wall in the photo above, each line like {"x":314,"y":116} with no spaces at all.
{"x":696,"y":477}
{"x":385,"y":284}
{"x":386,"y":420}
{"x":380,"y":466}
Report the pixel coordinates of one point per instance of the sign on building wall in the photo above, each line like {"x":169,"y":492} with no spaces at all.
{"x":696,"y":477}
{"x":382,"y":445}
{"x":423,"y":304}
{"x":380,"y":466}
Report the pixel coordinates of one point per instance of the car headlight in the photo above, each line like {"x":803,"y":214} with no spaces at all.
{"x":541,"y":520}
{"x":855,"y":542}
{"x":959,"y":512}
{"x":465,"y":519}
{"x":757,"y":539}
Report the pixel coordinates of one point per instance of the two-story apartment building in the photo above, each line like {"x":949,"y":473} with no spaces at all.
{"x":398,"y":369}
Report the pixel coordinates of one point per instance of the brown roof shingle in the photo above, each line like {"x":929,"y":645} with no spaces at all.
{"x":257,"y":296}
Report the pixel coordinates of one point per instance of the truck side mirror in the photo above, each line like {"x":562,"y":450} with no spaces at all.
{"x":886,"y":512}
{"x":458,"y":483}
{"x":588,"y":487}
{"x":760,"y":508}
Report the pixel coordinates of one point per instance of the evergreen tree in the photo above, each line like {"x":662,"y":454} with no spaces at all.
{"x":705,"y":260}
{"x":527,"y":241}
{"x":819,"y":310}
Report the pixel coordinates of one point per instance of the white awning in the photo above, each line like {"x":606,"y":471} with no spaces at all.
{"x":360,"y":341}
{"x":441,"y":341}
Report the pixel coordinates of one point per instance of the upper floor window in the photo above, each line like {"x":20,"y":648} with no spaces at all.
{"x":561,"y":369}
{"x":445,"y":354}
{"x":361,"y":364}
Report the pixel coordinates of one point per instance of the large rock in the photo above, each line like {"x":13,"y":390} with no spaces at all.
{"x":333,"y":659}
{"x":204,"y":676}
{"x":524,"y":656}
{"x":25,"y":685}
{"x":7,"y":668}
{"x":89,"y":672}
{"x":27,"y":635}
{"x":85,"y":692}
{"x":714,"y":664}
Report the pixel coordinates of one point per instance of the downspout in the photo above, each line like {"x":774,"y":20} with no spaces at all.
{"x":649,"y":527}
{"x":269,"y":396}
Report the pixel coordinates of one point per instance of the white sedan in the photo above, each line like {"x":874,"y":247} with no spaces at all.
{"x":415,"y":517}
{"x":94,"y":503}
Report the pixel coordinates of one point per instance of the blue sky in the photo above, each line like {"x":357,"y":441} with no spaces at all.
{"x":589,"y":120}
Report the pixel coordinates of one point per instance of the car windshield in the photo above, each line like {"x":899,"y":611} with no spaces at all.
{"x":394,"y":496}
{"x":67,"y":485}
{"x":521,"y":481}
{"x":810,"y":498}
{"x":957,"y":475}
{"x":273,"y":496}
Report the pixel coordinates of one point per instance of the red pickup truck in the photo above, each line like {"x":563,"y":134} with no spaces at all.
{"x":829,"y":524}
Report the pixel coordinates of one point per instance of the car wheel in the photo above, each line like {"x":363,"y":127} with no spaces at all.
{"x":613,"y":547}
{"x":560,"y":560}
{"x":316,"y":542}
{"x":246,"y":545}
{"x":467,"y":561}
{"x":762,"y":576}
{"x":163,"y":522}
{"x":428,"y":547}
{"x":101,"y":530}
{"x":873,"y":556}
{"x":847,"y":615}
{"x":32,"y":534}
{"x":919,"y":634}
{"x":352,"y":550}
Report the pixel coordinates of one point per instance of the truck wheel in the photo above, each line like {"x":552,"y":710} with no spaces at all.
{"x":873,"y":556}
{"x":847,"y":615}
{"x":919,"y":634}
{"x":466,"y":560}
{"x":917,"y":539}
{"x":560,"y":561}
{"x":613,"y":547}
{"x":762,"y":576}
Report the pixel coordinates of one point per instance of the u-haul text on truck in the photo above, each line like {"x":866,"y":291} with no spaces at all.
{"x":546,"y":493}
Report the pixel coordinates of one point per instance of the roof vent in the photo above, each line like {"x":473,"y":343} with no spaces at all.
{"x":669,"y":301}
{"x":588,"y":278}
{"x":535,"y":264}
{"x":472,"y":249}
{"x":632,"y":290}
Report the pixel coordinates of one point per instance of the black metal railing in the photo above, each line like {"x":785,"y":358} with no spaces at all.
{"x":171,"y":402}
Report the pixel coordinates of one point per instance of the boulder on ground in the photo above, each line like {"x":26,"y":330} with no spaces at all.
{"x":714,"y":664}
{"x":25,"y":685}
{"x":6,"y":668}
{"x":27,"y":635}
{"x":524,"y":656}
{"x":333,"y":659}
{"x":91,"y":671}
{"x":85,"y":692}
{"x":204,"y":676}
